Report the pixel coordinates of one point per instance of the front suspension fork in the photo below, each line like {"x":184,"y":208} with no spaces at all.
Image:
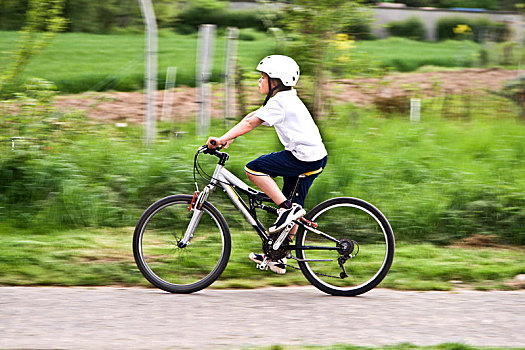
{"x":195,"y":206}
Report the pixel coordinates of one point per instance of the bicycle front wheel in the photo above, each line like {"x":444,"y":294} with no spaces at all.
{"x":169,"y":267}
{"x":355,"y":254}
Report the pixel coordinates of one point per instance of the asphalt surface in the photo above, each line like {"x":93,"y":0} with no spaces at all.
{"x":140,"y":318}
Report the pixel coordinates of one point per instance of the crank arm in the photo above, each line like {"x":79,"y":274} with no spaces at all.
{"x":283,"y":235}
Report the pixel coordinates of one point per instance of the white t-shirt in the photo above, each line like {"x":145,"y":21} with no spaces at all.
{"x":294,"y":125}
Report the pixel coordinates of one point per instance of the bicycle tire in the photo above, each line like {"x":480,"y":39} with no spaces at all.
{"x":174,"y":269}
{"x":356,"y":221}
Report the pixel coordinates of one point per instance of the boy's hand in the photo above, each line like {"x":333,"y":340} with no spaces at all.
{"x":218,"y":142}
{"x":213,"y":142}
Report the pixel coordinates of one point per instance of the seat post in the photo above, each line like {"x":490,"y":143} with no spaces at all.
{"x":293,"y":194}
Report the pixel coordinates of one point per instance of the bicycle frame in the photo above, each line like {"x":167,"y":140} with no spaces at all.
{"x":227,"y":181}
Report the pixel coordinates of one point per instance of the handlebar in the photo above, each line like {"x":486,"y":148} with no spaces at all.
{"x":214,"y":152}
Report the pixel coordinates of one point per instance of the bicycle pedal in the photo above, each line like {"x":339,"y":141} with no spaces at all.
{"x":262,"y":267}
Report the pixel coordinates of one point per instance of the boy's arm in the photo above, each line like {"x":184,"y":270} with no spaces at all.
{"x":247,"y":124}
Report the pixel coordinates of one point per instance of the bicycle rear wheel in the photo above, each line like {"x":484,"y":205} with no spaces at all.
{"x":366,"y":240}
{"x":175,"y":269}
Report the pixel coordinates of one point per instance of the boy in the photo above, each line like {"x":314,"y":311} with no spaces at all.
{"x":304,"y":149}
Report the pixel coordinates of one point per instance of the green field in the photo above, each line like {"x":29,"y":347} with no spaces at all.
{"x":408,"y":55}
{"x":78,"y":62}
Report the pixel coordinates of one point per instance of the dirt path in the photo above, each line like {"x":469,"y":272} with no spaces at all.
{"x":129,"y":106}
{"x":135,"y":318}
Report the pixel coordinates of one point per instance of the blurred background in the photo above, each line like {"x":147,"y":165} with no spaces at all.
{"x":421,"y":104}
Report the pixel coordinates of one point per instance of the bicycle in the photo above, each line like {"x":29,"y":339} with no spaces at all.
{"x":344,"y":246}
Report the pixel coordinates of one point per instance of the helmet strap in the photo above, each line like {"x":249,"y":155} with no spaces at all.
{"x":272,"y":90}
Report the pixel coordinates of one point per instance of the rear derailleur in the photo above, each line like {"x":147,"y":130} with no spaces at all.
{"x":346,"y":248}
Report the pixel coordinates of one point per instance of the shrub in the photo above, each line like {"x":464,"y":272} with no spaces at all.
{"x":479,"y":29}
{"x":215,"y":12}
{"x":485,"y":29}
{"x":514,"y":90}
{"x":360,"y":29}
{"x":488,"y":211}
{"x":412,"y":28}
{"x":242,"y":19}
{"x":246,"y":36}
{"x":445,"y":27}
{"x":392,"y":104}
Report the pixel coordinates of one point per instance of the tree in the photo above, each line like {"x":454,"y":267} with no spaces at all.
{"x":43,"y":21}
{"x":312,"y":25}
{"x":12,"y":14}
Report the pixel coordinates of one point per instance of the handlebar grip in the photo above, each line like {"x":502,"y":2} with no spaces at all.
{"x":213,"y":142}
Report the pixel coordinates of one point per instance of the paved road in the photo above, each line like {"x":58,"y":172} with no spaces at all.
{"x":109,"y":318}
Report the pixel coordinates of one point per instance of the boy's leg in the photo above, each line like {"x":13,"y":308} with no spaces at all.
{"x":302,"y":191}
{"x":268,"y":186}
{"x":288,"y":186}
{"x":261,"y":170}
{"x":304,"y":187}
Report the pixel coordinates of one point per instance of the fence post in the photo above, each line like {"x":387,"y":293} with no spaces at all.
{"x":229,"y":74}
{"x":205,"y":48}
{"x":415,"y":109}
{"x":167,"y":102}
{"x":151,"y":69}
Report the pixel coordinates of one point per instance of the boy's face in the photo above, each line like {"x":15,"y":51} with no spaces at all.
{"x":263,"y":83}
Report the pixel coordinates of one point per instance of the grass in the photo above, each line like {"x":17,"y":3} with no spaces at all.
{"x":103,"y":256}
{"x":408,"y":55}
{"x":68,"y":213}
{"x":437,"y":181}
{"x":78,"y":62}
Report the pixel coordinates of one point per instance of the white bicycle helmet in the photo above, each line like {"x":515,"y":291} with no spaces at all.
{"x":281,"y":67}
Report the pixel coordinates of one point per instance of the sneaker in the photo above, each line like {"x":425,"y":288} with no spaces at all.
{"x":278,"y":267}
{"x":286,"y":216}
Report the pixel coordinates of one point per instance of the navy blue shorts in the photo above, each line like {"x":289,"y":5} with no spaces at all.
{"x":286,"y":165}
